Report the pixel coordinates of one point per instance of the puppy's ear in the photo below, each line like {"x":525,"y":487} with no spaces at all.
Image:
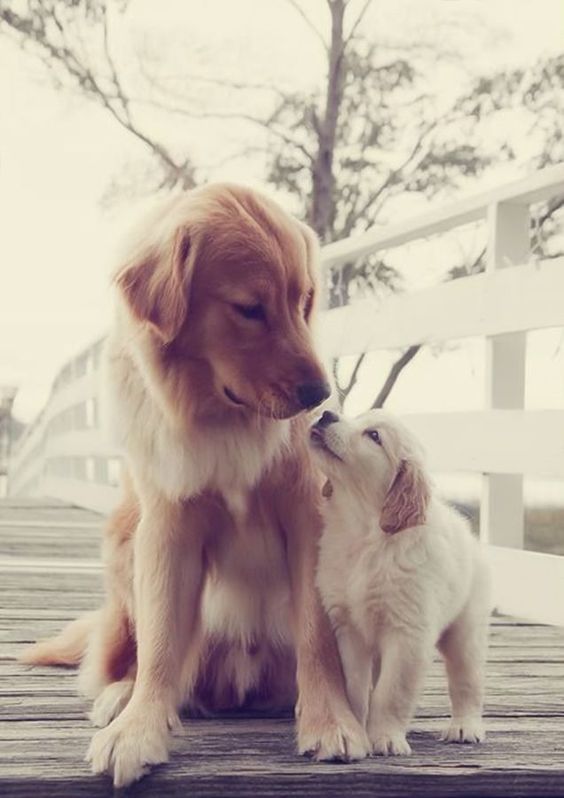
{"x":155,"y":284}
{"x":406,"y":502}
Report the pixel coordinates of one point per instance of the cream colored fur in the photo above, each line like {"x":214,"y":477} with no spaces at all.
{"x":394,"y":596}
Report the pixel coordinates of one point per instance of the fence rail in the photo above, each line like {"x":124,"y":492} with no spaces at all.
{"x":481,"y":304}
{"x":66,"y":454}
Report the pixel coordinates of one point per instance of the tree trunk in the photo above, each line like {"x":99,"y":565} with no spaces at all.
{"x":323,"y":181}
{"x":389,"y":383}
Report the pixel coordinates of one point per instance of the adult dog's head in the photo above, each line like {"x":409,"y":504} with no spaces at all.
{"x":221,"y":287}
{"x":373,"y":459}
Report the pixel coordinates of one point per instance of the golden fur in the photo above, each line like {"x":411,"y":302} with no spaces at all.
{"x":211,"y":557}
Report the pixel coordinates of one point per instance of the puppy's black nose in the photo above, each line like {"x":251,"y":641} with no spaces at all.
{"x":311,"y":394}
{"x":327,"y":418}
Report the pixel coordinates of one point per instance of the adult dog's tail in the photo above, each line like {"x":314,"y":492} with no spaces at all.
{"x":67,"y":648}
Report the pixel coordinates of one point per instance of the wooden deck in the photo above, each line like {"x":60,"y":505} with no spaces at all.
{"x":49,"y":573}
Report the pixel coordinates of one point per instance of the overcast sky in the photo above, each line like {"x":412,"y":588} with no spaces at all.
{"x":58,"y":154}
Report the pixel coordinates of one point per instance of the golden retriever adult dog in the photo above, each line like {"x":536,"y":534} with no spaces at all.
{"x":210,"y":559}
{"x":399,"y":573}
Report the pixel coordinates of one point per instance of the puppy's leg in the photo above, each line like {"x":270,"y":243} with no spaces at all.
{"x":356,"y":660}
{"x":327,"y":727}
{"x":167,"y":587}
{"x":464,"y":648}
{"x":404,"y":661}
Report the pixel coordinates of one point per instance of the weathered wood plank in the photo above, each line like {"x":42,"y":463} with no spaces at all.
{"x":9,"y":668}
{"x":221,"y":759}
{"x":37,"y":583}
{"x":16,"y":543}
{"x":44,"y":730}
{"x":56,"y":511}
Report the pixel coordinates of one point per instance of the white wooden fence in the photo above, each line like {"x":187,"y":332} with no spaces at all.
{"x":66,"y":454}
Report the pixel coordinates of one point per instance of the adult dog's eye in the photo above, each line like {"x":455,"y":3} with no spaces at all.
{"x":252,"y":312}
{"x":374,"y":435}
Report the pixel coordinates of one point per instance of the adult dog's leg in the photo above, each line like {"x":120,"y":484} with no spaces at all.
{"x":327,"y":726}
{"x":107,"y":673}
{"x":111,"y":652}
{"x":356,"y":659}
{"x":167,"y":587}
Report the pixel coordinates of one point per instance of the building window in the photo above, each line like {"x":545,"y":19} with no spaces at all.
{"x":91,"y":413}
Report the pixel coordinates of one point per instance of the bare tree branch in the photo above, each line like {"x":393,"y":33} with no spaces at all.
{"x":344,"y":390}
{"x":179,"y":171}
{"x":296,"y":6}
{"x":394,"y":175}
{"x":186,"y":77}
{"x":266,"y":124}
{"x":354,"y":376}
{"x":394,"y":373}
{"x":113,"y":70}
{"x":553,"y":206}
{"x":357,"y":22}
{"x":79,"y":71}
{"x":334,"y":371}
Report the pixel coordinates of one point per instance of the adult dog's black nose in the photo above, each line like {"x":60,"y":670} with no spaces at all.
{"x":311,"y":394}
{"x":327,"y":418}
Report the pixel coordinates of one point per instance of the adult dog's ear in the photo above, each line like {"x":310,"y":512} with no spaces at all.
{"x":313,"y":255}
{"x":406,"y":502}
{"x":155,"y":284}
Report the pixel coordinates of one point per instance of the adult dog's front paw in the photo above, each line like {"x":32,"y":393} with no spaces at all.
{"x":111,"y":701}
{"x":130,"y":745}
{"x":332,"y":736}
{"x":389,"y":744}
{"x":464,"y":730}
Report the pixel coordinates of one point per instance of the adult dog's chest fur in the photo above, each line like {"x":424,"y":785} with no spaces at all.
{"x":247,"y":590}
{"x":229,"y":455}
{"x":230,"y":461}
{"x":245,"y":607}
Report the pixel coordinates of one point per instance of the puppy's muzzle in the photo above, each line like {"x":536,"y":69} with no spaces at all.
{"x":326,"y":419}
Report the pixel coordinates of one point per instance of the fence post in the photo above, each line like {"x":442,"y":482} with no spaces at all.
{"x":502,"y":509}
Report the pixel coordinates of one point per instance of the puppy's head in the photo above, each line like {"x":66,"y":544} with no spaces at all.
{"x":374,"y":459}
{"x":224,"y":284}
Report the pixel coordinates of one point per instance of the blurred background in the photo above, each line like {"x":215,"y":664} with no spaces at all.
{"x":350,"y":114}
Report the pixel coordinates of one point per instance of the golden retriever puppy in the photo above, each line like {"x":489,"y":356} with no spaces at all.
{"x":399,"y":573}
{"x":210,"y":560}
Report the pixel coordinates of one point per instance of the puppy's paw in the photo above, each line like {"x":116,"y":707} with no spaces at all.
{"x":389,"y":743}
{"x":341,"y":739}
{"x":464,"y":730}
{"x":111,"y":701}
{"x":130,"y":745}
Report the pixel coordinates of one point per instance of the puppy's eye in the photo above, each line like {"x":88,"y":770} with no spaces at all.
{"x":374,"y":435}
{"x":251,"y":312}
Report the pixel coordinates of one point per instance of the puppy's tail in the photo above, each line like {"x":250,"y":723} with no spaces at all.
{"x":67,"y":648}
